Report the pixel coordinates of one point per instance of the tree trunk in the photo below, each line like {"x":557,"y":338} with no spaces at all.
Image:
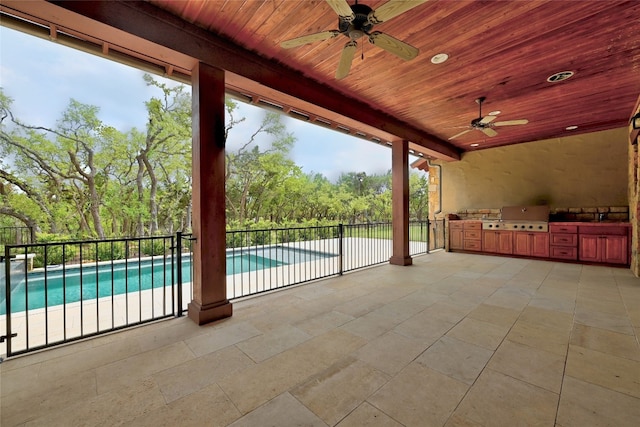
{"x":153,"y":191}
{"x":94,"y":208}
{"x":26,"y":220}
{"x":140,"y":187}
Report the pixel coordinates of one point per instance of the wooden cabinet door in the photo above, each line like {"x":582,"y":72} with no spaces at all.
{"x":521,"y":243}
{"x":490,"y":241}
{"x":497,"y":242}
{"x":531,"y":244}
{"x":540,"y":245}
{"x":614,"y":249}
{"x":456,"y":238}
{"x":589,"y":248}
{"x":505,"y":242}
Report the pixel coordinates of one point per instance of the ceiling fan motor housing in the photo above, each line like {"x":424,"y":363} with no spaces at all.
{"x":476,"y":123}
{"x":360,"y":24}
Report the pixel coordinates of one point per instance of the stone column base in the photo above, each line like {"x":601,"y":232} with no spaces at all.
{"x":209,"y":313}
{"x":401,"y":260}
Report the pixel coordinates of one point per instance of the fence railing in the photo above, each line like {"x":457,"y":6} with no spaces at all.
{"x":51,"y":293}
{"x":16,"y":235}
{"x":54,"y":293}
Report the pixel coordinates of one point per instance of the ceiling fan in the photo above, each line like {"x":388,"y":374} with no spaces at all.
{"x":486,"y":124}
{"x":356,"y":21}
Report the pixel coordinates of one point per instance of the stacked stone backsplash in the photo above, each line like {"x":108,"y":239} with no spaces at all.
{"x":610,"y":213}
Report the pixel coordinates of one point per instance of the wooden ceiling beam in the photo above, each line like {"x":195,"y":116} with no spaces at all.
{"x":160,"y":27}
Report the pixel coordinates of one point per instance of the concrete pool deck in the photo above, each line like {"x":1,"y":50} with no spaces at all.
{"x":454,"y":340}
{"x":81,"y":319}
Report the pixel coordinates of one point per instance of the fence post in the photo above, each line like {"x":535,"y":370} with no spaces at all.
{"x":7,"y":301}
{"x":340,"y":249}
{"x":428,"y":234}
{"x":178,"y":249}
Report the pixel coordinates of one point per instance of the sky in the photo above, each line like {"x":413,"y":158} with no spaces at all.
{"x":42,"y":77}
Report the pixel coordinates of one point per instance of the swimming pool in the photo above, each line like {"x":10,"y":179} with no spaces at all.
{"x":64,"y":286}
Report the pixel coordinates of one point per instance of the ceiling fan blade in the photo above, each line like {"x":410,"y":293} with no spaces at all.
{"x":342,"y":8}
{"x":299,"y":41}
{"x":512,"y":122}
{"x":487,"y":119}
{"x":391,"y":9}
{"x":345,"y":59}
{"x":460,"y":134}
{"x":489,"y":132}
{"x":393,"y":45}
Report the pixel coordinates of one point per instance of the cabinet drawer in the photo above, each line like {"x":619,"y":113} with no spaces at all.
{"x":560,"y":239}
{"x":554,"y":228}
{"x":456,"y":225}
{"x":606,"y":230}
{"x":472,"y":234}
{"x":563,"y":252}
{"x":472,"y":245}
{"x":473,"y":226}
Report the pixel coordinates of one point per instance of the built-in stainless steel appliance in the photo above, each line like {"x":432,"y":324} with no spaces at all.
{"x":520,"y":218}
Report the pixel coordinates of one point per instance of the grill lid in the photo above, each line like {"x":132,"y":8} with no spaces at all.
{"x":525,"y":213}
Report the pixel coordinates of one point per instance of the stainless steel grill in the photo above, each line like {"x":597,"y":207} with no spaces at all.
{"x":520,"y":218}
{"x":539,"y":226}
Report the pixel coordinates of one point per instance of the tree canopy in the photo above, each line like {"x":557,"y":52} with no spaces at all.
{"x":83,"y":178}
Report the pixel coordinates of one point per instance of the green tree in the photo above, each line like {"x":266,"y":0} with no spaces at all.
{"x":73,"y":165}
{"x":418,"y":196}
{"x":164,"y":151}
{"x":255,"y":175}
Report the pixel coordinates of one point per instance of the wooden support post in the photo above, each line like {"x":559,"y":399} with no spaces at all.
{"x":400,"y":202}
{"x":209,"y":251}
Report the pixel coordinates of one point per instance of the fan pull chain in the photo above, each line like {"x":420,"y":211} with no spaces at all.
{"x":362,"y":57}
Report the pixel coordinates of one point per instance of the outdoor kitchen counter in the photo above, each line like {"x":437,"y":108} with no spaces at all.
{"x":593,"y":242}
{"x":600,"y":242}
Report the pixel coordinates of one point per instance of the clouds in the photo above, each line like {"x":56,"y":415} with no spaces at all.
{"x":42,"y":77}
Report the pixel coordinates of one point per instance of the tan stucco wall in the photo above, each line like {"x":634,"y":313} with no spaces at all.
{"x":634,"y":194}
{"x":585,"y":170}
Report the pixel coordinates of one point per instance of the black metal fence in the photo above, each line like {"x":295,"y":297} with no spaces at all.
{"x":262,"y":260}
{"x":59,"y":292}
{"x":52,"y":293}
{"x":16,"y":235}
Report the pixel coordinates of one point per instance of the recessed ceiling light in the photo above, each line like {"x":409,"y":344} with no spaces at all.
{"x":558,"y":77}
{"x":475,"y":145}
{"x":495,"y":113}
{"x":572,"y":127}
{"x":439,"y":58}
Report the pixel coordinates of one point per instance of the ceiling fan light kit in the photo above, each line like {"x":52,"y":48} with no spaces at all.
{"x":357,"y":21}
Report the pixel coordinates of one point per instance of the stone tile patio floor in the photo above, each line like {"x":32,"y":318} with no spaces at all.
{"x":454,"y":340}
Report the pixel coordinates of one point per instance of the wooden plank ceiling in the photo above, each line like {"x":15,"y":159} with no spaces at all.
{"x":501,"y":50}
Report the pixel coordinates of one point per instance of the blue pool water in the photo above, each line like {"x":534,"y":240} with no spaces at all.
{"x":67,"y":286}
